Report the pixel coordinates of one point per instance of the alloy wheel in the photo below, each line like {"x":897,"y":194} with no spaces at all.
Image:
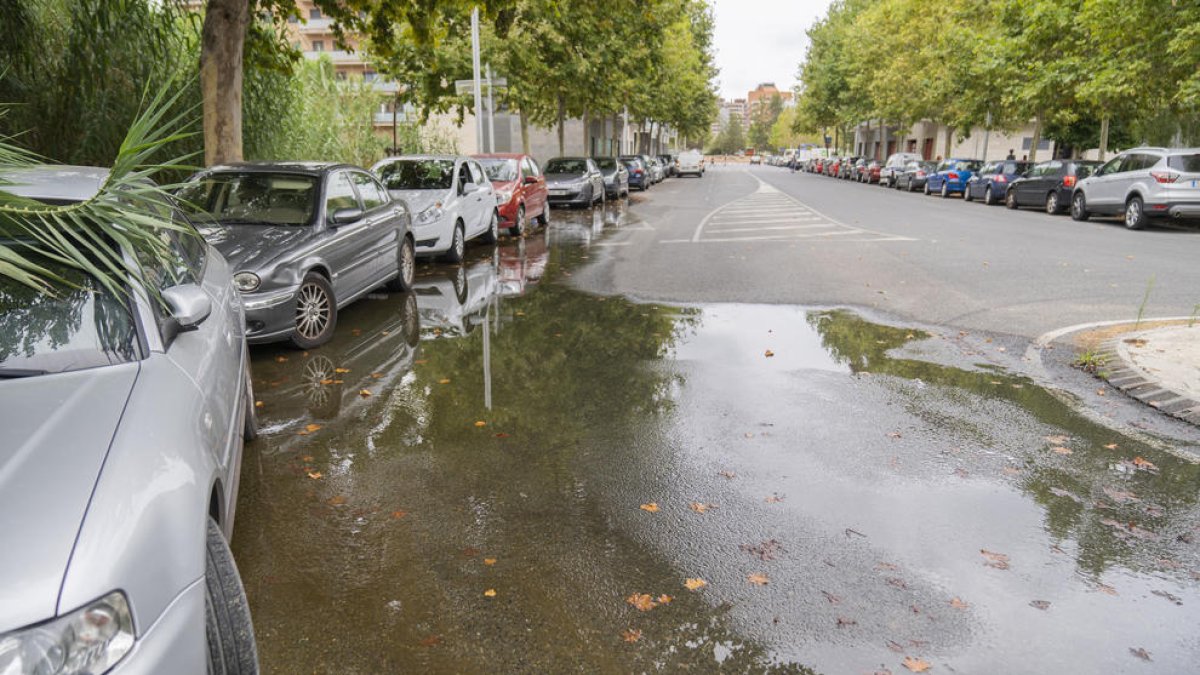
{"x":1052,"y":203}
{"x":313,"y":310}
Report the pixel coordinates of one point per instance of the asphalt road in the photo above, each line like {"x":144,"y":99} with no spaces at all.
{"x":820,"y":447}
{"x":812,"y":240}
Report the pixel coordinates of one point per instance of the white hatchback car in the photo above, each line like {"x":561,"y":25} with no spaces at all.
{"x":450,"y":197}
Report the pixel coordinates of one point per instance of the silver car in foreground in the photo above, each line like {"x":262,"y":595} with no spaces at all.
{"x":123,"y":428}
{"x":1142,"y":184}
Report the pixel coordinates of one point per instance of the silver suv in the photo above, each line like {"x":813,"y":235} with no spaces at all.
{"x":1142,"y":183}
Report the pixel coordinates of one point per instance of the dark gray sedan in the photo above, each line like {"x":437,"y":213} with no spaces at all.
{"x":616,"y":177}
{"x":123,"y":428}
{"x":302,"y":239}
{"x":574,"y":181}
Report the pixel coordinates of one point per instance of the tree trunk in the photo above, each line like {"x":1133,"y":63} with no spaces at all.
{"x":1037,"y":138}
{"x":562,"y":119}
{"x":524,"y":132}
{"x":949,"y":139}
{"x":223,"y":39}
{"x":866,"y":139}
{"x":1103,"y":137}
{"x":587,"y":135}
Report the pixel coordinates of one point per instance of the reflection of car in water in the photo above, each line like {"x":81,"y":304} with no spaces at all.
{"x":580,"y":228}
{"x":375,"y":344}
{"x":453,"y":302}
{"x":522,"y":264}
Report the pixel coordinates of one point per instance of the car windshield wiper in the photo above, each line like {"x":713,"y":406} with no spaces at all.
{"x":13,"y":373}
{"x":251,"y":221}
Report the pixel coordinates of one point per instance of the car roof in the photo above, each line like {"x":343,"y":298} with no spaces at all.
{"x":291,"y":167}
{"x":500,"y":155}
{"x":54,"y":182}
{"x":451,"y":158}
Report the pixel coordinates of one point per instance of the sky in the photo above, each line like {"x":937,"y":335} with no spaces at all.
{"x":761,"y":41}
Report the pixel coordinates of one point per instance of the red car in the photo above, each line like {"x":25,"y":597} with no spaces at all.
{"x":520,"y":190}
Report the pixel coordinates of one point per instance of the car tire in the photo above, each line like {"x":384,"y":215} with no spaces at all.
{"x":945,"y":191}
{"x":250,"y":423}
{"x":458,"y":280}
{"x":403,"y":281}
{"x":1010,"y":199}
{"x":1135,"y":213}
{"x":492,"y":234}
{"x":1052,"y":206}
{"x":967,"y":194}
{"x":927,"y":190}
{"x":316,"y":312}
{"x":227,"y":626}
{"x":519,"y":226}
{"x":412,"y":320}
{"x":544,"y":219}
{"x":1079,"y":207}
{"x":458,"y":245}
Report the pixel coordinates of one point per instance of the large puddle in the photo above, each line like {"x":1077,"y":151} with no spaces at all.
{"x":501,"y":473}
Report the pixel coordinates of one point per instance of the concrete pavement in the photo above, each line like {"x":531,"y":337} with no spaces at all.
{"x":1160,"y":367}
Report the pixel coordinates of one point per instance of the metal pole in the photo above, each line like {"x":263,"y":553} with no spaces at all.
{"x":987,"y":131}
{"x":491,"y":106}
{"x":475,"y":66}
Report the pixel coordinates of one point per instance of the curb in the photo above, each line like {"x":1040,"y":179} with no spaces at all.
{"x":1143,"y":386}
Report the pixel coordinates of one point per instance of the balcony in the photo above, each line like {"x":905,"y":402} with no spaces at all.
{"x":322,"y":25}
{"x":340,"y":57}
{"x":384,"y":119}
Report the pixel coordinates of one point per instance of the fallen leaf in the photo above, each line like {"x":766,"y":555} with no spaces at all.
{"x":491,"y":593}
{"x":895,"y":646}
{"x":339,"y":381}
{"x":699,"y":507}
{"x":1040,"y":604}
{"x":916,"y":665}
{"x":652,"y":507}
{"x":1111,"y":446}
{"x":642,"y":601}
{"x":480,"y":423}
{"x":309,"y":429}
{"x":341,"y":371}
{"x":631,"y":635}
{"x":397,"y":515}
{"x":281,"y":359}
{"x":957,"y":603}
{"x":315,"y":475}
{"x":1061,"y":450}
{"x":763,"y":551}
{"x":727,"y":474}
{"x":774,"y":498}
{"x":258,"y":404}
{"x":1141,"y":653}
{"x":326,"y":382}
{"x":897,"y":582}
{"x":664,"y":599}
{"x":695,"y":584}
{"x":336,"y":500}
{"x":1142,"y":463}
{"x":444,"y":380}
{"x":758,"y":579}
{"x":431,"y":640}
{"x":489,"y":561}
{"x":1057,"y":440}
{"x":893,"y":434}
{"x":365,"y":393}
{"x":307,"y":458}
{"x":769,"y":354}
{"x":997,"y":560}
{"x":376,"y":375}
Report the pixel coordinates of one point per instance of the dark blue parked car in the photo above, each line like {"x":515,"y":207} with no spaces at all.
{"x":951,"y":176}
{"x":992,"y":181}
{"x":639,"y":173}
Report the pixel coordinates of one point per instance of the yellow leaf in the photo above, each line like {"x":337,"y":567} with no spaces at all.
{"x":327,"y":382}
{"x":1061,"y":450}
{"x":664,"y":599}
{"x":444,"y":380}
{"x":758,"y":579}
{"x":631,"y":635}
{"x":377,"y":375}
{"x":642,"y":601}
{"x":341,"y":371}
{"x":769,"y":353}
{"x":364,"y":393}
{"x":699,"y":508}
{"x":258,"y":404}
{"x":281,"y":359}
{"x":481,"y":423}
{"x":1111,"y":446}
{"x":315,"y":475}
{"x":312,"y":427}
{"x":916,"y":665}
{"x":957,"y":603}
{"x":307,"y":458}
{"x":695,"y":584}
{"x":491,"y":593}
{"x":1143,"y":463}
{"x":338,"y":381}
{"x":489,"y":561}
{"x":336,"y":500}
{"x":652,"y":507}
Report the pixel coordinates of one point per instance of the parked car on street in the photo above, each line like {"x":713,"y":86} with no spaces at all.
{"x":657,"y":174}
{"x":1144,"y":184}
{"x":450,"y":197}
{"x":668,"y":162}
{"x":574,"y":181}
{"x":616,"y":177}
{"x":639,"y":175}
{"x":756,"y":159}
{"x":124,"y":422}
{"x":992,"y":180}
{"x":846,"y":169}
{"x":873,"y":171}
{"x":690,"y":163}
{"x":896,"y":162}
{"x":914,"y":175}
{"x":951,"y":176}
{"x":1049,"y":185}
{"x":520,"y":190}
{"x":303,"y":240}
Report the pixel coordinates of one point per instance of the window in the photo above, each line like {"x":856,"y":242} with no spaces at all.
{"x":1188,"y":163}
{"x":340,"y":194}
{"x":502,"y":170}
{"x":531,"y":167}
{"x":293,"y":19}
{"x":372,"y":195}
{"x":1027,"y":142}
{"x":250,"y":198}
{"x":464,"y":177}
{"x":418,"y":174}
{"x":370,"y":76}
{"x":314,"y":13}
{"x":318,"y":45}
{"x":478,"y":177}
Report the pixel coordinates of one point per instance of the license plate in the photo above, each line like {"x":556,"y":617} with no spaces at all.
{"x":558,"y":193}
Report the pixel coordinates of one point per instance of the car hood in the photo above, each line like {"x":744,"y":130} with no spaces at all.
{"x":564,"y":178}
{"x":57,"y":431}
{"x":253,"y":247}
{"x":419,"y":200}
{"x":510,"y":185}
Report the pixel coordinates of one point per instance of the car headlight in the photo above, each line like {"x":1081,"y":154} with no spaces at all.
{"x":429,"y":215}
{"x":245,"y":282}
{"x":502,"y":196}
{"x":89,"y":640}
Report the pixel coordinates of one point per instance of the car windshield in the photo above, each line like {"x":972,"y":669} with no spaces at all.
{"x":417,"y":174}
{"x":964,"y":165}
{"x":606,"y":163}
{"x":500,"y":170}
{"x":1083,"y":170}
{"x":80,"y":326}
{"x":252,"y":197}
{"x":1188,"y":163}
{"x":562,"y":165}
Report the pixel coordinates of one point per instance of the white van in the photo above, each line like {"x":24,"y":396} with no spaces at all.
{"x":690,"y":161}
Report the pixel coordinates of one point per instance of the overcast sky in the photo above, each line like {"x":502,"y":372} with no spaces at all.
{"x":761,"y":41}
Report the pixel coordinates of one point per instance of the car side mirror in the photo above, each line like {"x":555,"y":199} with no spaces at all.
{"x":530,"y":180}
{"x":468,"y":188}
{"x":189,"y":306}
{"x":344,"y":216}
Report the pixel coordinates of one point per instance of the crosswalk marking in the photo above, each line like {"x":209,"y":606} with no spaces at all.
{"x":768,"y":214}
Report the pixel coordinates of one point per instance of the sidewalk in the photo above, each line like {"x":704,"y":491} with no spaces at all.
{"x":1160,"y":367}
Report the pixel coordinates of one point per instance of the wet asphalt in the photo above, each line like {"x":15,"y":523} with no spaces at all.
{"x":516,"y":469}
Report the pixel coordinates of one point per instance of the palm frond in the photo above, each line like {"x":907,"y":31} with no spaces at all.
{"x":128,"y":214}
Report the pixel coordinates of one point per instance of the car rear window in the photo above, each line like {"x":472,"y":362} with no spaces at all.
{"x":500,"y":170}
{"x":81,"y":326}
{"x":606,"y":163}
{"x":417,"y":174}
{"x":251,"y":197}
{"x":1188,"y":163}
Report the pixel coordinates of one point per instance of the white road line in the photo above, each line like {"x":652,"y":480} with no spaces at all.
{"x":776,"y":227}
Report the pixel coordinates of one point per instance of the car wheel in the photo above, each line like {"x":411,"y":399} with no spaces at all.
{"x":1010,"y":199}
{"x":250,"y":425}
{"x":458,"y":246}
{"x":1079,"y":207}
{"x":927,"y":190}
{"x":316,"y":313}
{"x":545,"y":217}
{"x":412,"y":320}
{"x":1052,"y":203}
{"x":519,"y":226}
{"x":458,"y":280}
{"x":227,"y":626}
{"x":408,"y":267}
{"x":1135,"y":213}
{"x":492,"y":235}
{"x":967,"y":194}
{"x":945,"y":190}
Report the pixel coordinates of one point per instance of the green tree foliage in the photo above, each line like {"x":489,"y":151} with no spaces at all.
{"x":732,"y":137}
{"x":763,"y":118}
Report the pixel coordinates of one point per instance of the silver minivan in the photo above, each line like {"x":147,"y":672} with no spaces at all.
{"x":1143,"y":184}
{"x":124,"y":420}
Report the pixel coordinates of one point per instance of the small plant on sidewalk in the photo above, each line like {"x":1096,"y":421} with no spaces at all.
{"x":1089,"y":362}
